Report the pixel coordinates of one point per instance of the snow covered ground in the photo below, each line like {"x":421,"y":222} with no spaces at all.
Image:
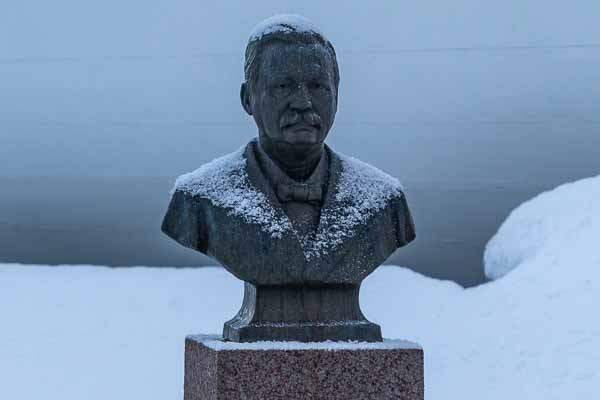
{"x":96,"y":333}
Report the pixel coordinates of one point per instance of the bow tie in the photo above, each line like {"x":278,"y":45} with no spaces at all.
{"x":301,"y":192}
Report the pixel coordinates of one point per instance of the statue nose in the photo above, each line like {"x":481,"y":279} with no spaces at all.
{"x":301,"y":99}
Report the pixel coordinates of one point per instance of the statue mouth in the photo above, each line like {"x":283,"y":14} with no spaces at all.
{"x":300,"y":126}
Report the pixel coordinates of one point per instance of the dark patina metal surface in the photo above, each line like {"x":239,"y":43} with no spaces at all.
{"x":302,"y":278}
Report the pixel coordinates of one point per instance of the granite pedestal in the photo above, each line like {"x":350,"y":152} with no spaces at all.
{"x":219,"y":370}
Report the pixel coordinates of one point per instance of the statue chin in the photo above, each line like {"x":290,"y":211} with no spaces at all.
{"x":294,"y":144}
{"x":301,"y":147}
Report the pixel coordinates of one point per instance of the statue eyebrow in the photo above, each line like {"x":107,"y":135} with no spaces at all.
{"x":277,"y":77}
{"x":315,"y":71}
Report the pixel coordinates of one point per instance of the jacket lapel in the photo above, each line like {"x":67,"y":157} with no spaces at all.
{"x":320,"y":253}
{"x":289,"y":238}
{"x":260,"y":181}
{"x":325,"y":248}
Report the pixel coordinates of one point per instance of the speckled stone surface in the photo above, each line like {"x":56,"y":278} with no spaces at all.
{"x":267,"y":371}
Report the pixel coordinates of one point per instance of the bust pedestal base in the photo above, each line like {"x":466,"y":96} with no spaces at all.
{"x":301,"y":313}
{"x":219,"y":370}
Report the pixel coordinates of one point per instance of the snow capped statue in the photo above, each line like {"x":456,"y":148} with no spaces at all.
{"x":301,"y":224}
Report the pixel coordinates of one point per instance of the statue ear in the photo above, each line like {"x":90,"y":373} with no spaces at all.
{"x":245,"y":98}
{"x":337,"y":90}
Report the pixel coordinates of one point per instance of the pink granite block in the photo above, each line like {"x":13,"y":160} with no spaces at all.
{"x":218,"y":370}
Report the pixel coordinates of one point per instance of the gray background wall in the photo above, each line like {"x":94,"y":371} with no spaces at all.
{"x":475,"y":106}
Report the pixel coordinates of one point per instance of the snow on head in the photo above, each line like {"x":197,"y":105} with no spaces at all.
{"x":285,"y":23}
{"x":562,"y":221}
{"x":225,"y":183}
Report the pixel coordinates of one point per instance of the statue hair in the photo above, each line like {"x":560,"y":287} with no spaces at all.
{"x":255,"y":47}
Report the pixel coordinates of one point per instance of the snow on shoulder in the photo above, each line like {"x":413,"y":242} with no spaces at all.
{"x":286,"y":23}
{"x":225,"y":183}
{"x":362,"y":191}
{"x":365,"y":184}
{"x":562,"y":221}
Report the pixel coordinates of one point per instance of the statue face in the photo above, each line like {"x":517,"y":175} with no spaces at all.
{"x":294,"y":98}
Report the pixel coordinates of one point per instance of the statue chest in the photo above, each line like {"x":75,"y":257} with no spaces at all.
{"x":281,"y":256}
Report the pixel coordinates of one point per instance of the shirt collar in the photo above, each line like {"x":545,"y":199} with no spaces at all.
{"x":276,"y":175}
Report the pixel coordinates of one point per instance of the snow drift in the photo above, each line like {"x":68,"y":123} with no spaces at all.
{"x":96,"y":333}
{"x":551,"y":231}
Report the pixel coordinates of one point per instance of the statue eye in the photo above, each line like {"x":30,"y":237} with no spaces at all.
{"x":282,"y":86}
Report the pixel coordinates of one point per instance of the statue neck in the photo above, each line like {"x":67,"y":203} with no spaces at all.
{"x":298,"y":162}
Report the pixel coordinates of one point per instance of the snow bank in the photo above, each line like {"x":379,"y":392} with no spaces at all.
{"x":554,"y":229}
{"x":95,"y":333}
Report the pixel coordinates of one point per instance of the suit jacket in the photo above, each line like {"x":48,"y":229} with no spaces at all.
{"x":228,"y":210}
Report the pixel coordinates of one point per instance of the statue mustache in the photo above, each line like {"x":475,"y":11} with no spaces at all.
{"x":309,"y":117}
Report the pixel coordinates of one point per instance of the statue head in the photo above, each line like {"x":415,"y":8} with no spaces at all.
{"x":291,"y":84}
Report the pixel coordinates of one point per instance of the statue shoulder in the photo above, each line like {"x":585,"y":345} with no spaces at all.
{"x":369,"y":189}
{"x":214,"y":182}
{"x":366,"y":183}
{"x":214,"y":179}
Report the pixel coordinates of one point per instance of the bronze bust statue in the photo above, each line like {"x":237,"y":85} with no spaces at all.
{"x":301,"y":224}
